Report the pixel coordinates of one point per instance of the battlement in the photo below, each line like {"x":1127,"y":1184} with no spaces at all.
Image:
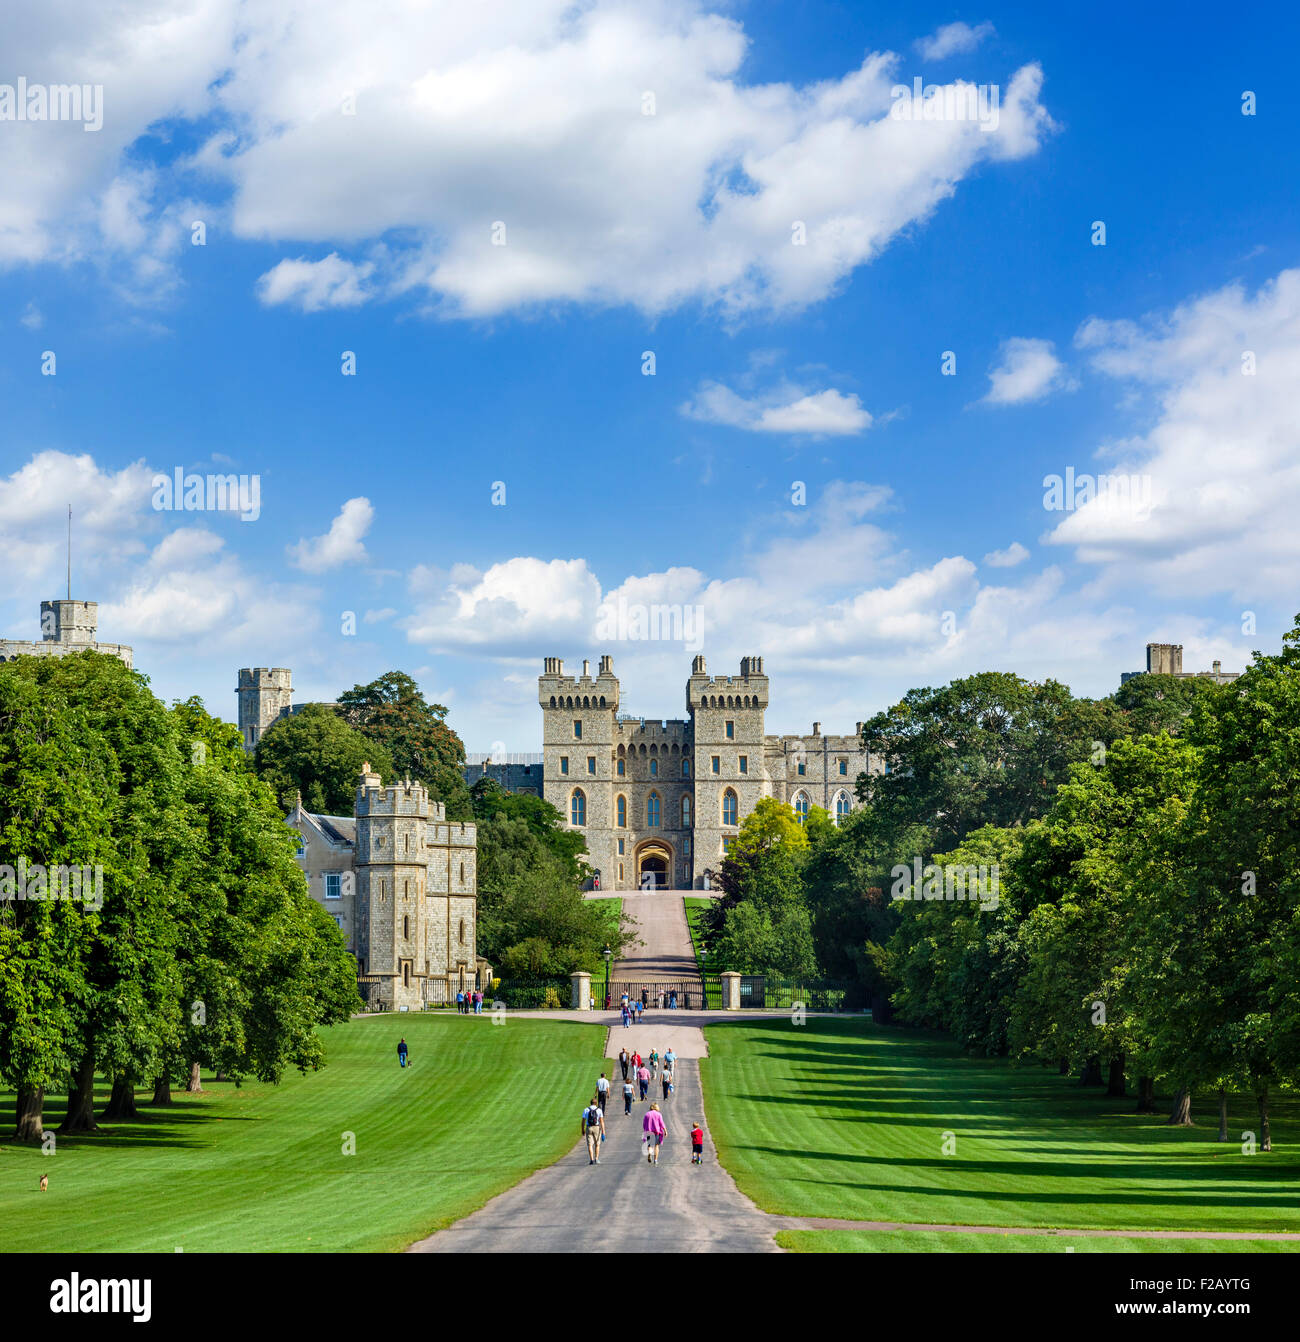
{"x":398,"y":799}
{"x":557,"y":690}
{"x":747,"y":690}
{"x":259,"y":677}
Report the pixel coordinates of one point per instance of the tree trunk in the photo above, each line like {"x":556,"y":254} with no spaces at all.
{"x":1091,"y":1073}
{"x":1146,"y":1095}
{"x":1064,"y":1067}
{"x":195,"y":1084}
{"x":1115,"y":1081}
{"x":1223,"y":1116}
{"x":220,"y":1076}
{"x":121,"y":1102}
{"x":162,"y":1090}
{"x":30,"y":1106}
{"x":81,"y":1098}
{"x":1265,"y":1141}
{"x":1180,"y":1116}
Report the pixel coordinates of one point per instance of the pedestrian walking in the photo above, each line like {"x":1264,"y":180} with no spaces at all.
{"x":655,"y":1131}
{"x":624,"y":1061}
{"x":627,"y":1096}
{"x":643,"y":1079}
{"x":478,"y":1002}
{"x":697,"y":1143}
{"x":401,"y":1052}
{"x":654,"y":1062}
{"x":460,"y":1002}
{"x":593,"y":1128}
{"x":645,"y":998}
{"x":626,"y":1018}
{"x":670,"y":1058}
{"x":667,"y":1080}
{"x":602,"y":1091}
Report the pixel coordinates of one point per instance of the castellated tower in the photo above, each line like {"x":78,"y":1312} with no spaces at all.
{"x":265,"y":694}
{"x":728,"y":727}
{"x":417,"y":881}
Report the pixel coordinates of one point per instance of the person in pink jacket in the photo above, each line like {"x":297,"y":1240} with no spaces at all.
{"x":655,"y":1132}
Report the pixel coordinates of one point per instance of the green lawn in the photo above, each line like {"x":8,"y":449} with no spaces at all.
{"x":612,"y":909}
{"x":694,"y":907}
{"x":951,"y":1241}
{"x":839,"y":1118}
{"x":261,"y":1168}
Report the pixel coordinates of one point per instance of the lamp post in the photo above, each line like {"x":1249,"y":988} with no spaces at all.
{"x":608,"y":954}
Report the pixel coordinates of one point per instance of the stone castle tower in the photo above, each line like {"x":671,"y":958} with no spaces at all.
{"x":659,"y":802}
{"x":417,"y":882}
{"x":66,"y":627}
{"x":265,"y":694}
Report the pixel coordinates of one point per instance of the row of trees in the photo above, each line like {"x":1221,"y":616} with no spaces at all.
{"x":1147,"y":922}
{"x":205,"y":949}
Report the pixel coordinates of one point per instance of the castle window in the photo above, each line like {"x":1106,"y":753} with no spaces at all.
{"x":577,"y":729}
{"x":717,"y":764}
{"x":686,"y":768}
{"x":462,"y":931}
{"x":462,"y":873}
{"x":841,"y":806}
{"x":338,"y":921}
{"x":333,"y":885}
{"x":801,"y":806}
{"x":591,"y":764}
{"x":844,"y":767}
{"x":654,"y":768}
{"x":729,"y":807}
{"x":652,"y":810}
{"x":621,"y":769}
{"x":731,"y":731}
{"x":578,"y":808}
{"x":744,"y":764}
{"x":801,"y":768}
{"x":406,"y":973}
{"x":620,"y":870}
{"x":564,"y":764}
{"x":621,"y":809}
{"x":686,"y":812}
{"x":686,"y":845}
{"x":620,"y":848}
{"x":406,"y":928}
{"x":726,"y":845}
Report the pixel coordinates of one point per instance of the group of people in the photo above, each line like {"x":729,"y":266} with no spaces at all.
{"x":654,"y":1129}
{"x":645,"y":1070}
{"x":469,"y":1002}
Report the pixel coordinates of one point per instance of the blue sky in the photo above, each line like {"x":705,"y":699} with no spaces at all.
{"x":922,"y":550}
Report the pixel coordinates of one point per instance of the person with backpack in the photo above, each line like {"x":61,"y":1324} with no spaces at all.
{"x":627,"y":1096}
{"x":602,"y":1091}
{"x":593,"y":1128}
{"x":401,"y":1052}
{"x":655,"y":1131}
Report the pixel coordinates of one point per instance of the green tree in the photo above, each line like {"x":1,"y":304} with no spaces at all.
{"x":316,"y":753}
{"x":393,"y":712}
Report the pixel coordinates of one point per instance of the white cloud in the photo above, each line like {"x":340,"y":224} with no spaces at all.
{"x":378,"y":616}
{"x":528,"y":113}
{"x":312,"y":285}
{"x":1218,"y":444}
{"x":32,"y":318}
{"x":1014,"y":554}
{"x":952,"y":39}
{"x":785,"y":410}
{"x":1028,"y":370}
{"x":341,"y":544}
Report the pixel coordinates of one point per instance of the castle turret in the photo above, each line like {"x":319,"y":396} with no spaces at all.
{"x":265,"y":694}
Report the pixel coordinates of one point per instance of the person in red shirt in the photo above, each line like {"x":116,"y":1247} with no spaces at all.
{"x":697,"y":1143}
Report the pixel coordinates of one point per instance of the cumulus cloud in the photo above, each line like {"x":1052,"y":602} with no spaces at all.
{"x":952,"y":39}
{"x":785,"y":410}
{"x":1027,"y":370}
{"x":312,"y":285}
{"x":341,"y":544}
{"x":1014,"y":554}
{"x":1218,"y":451}
{"x":505,"y":155}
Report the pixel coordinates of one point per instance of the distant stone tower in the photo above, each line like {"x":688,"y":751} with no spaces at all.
{"x":66,"y":627}
{"x":1165,"y":659}
{"x":265,"y":694}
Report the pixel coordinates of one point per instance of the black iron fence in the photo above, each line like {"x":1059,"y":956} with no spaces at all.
{"x":686,"y":994}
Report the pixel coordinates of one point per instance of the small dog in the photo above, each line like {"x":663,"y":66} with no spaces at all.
{"x":45,"y":1182}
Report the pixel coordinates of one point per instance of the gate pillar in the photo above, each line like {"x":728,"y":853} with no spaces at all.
{"x":581,"y":998}
{"x":730,"y":990}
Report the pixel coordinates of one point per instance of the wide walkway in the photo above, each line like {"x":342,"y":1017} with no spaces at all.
{"x":664,"y":953}
{"x":624,"y":1205}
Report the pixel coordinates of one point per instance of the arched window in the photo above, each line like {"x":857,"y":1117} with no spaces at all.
{"x":462,"y":931}
{"x":406,"y":929}
{"x":622,"y":767}
{"x":686,"y":768}
{"x":686,"y":811}
{"x":652,"y":810}
{"x":841,"y":806}
{"x":406,"y":974}
{"x":729,"y":807}
{"x":578,"y":808}
{"x":654,"y":768}
{"x":620,"y":808}
{"x":801,"y":806}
